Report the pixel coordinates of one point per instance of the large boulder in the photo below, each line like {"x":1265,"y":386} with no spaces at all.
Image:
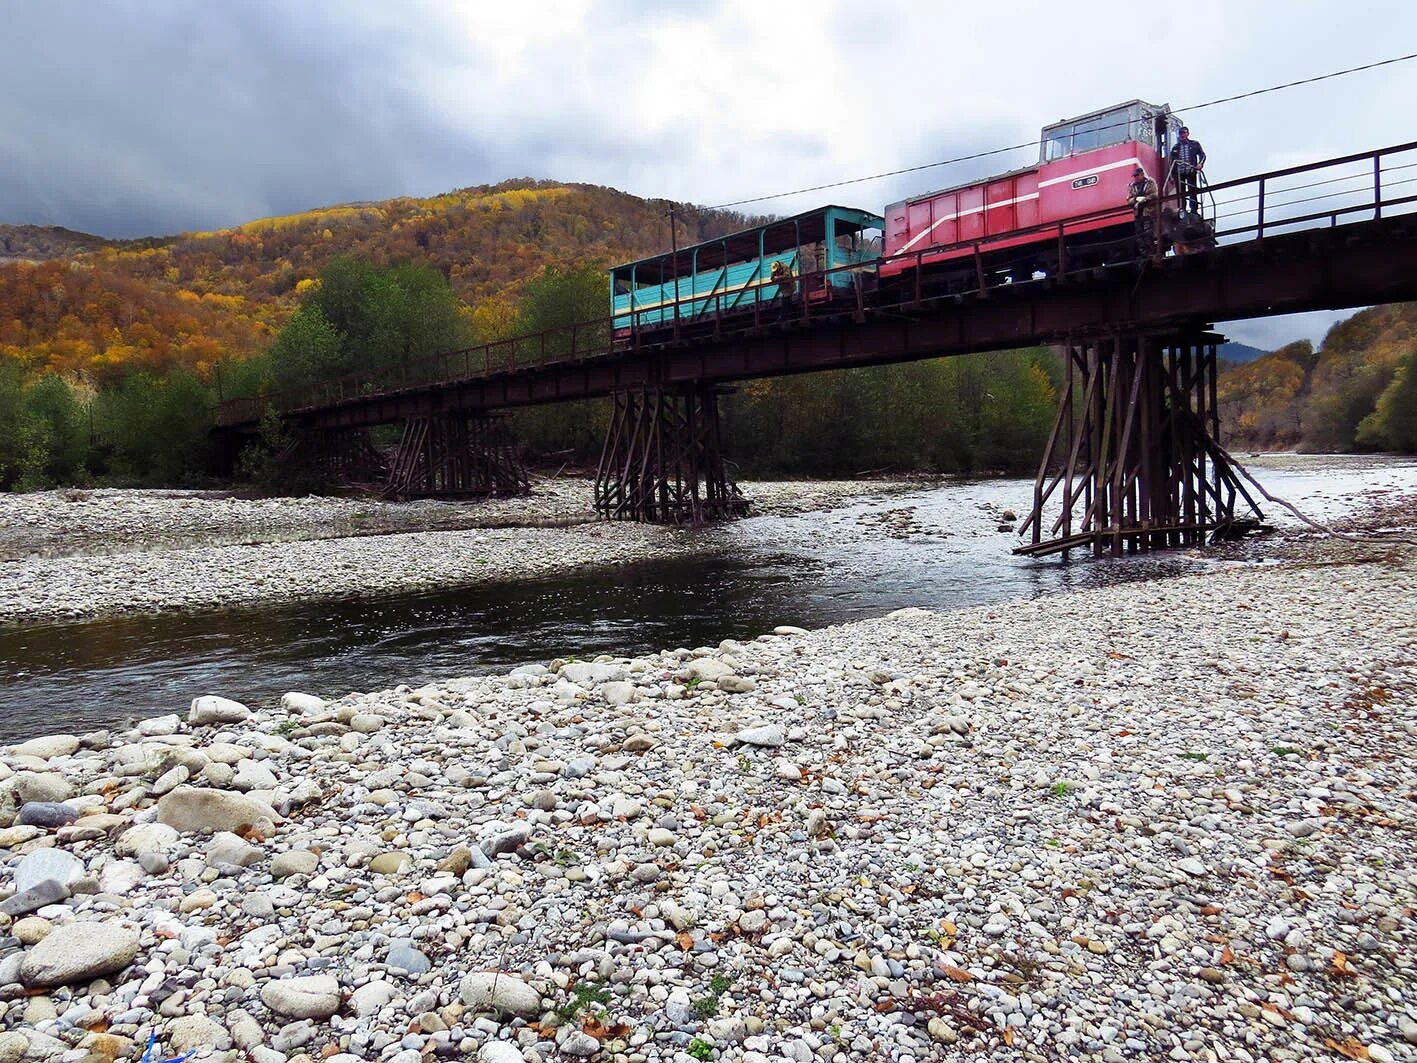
{"x":496,"y":991}
{"x":305,"y":704}
{"x":231,"y":850}
{"x":210,"y":709}
{"x":44,"y":787}
{"x":46,"y":864}
{"x":768,"y":736}
{"x":589,"y":675}
{"x":79,"y":952}
{"x":707,"y":668}
{"x":48,"y":747}
{"x":311,"y":997}
{"x":147,"y":838}
{"x":190,"y":809}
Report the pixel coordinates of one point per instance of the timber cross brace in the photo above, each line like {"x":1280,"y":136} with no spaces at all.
{"x":467,"y":454}
{"x":333,"y":454}
{"x":663,"y":459}
{"x":1132,"y":463}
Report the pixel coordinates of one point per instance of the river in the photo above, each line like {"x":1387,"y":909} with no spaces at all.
{"x":937,"y":548}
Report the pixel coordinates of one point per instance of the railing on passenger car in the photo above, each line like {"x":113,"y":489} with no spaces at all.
{"x":1366,"y":177}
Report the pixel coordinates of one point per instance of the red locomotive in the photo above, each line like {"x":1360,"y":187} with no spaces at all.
{"x":1070,"y":206}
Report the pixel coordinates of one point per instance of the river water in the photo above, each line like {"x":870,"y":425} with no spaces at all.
{"x":937,"y":548}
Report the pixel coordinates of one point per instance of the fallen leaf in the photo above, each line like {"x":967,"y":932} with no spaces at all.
{"x":685,"y":939}
{"x":958,"y":974}
{"x":1227,"y":956}
{"x":1350,"y":1048}
{"x":1008,"y":1035}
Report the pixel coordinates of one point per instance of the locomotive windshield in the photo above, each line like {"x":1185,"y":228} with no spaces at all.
{"x":1129,"y":121}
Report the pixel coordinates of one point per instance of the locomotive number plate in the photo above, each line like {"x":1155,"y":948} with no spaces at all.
{"x":1085,"y":182}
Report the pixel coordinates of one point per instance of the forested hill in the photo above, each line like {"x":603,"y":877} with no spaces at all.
{"x":1357,"y":391}
{"x":186,"y":301}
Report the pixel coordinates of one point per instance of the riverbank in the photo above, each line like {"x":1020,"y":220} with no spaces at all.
{"x":1170,"y":820}
{"x":82,"y":554}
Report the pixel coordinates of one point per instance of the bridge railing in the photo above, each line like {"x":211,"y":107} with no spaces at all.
{"x":1377,"y":183}
{"x":1370,"y":183}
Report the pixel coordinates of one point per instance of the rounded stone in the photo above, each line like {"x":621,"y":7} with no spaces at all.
{"x":79,"y":952}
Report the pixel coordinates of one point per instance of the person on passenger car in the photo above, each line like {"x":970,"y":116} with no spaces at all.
{"x":1142,"y":197}
{"x":782,"y":276}
{"x":1188,"y":160}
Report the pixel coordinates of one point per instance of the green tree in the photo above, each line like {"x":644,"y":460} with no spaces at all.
{"x":369,"y":322}
{"x":155,"y":428}
{"x":21,"y":449}
{"x":60,"y":426}
{"x":1393,"y":423}
{"x":563,"y":310}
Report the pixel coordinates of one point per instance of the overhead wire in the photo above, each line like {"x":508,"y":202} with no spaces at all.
{"x":1034,"y":143}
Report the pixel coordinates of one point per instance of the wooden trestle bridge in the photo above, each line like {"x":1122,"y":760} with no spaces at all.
{"x":1133,"y":462}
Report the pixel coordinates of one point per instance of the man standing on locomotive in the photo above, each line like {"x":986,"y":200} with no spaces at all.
{"x":1188,"y":160}
{"x":1142,"y":197}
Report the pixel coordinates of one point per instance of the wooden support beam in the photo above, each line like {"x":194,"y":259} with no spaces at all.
{"x":1136,"y":468}
{"x":662,"y":462}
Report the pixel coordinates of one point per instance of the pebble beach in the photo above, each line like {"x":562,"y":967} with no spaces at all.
{"x":1164,"y":820}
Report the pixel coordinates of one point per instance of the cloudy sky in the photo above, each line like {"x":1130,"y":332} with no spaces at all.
{"x":134,"y":117}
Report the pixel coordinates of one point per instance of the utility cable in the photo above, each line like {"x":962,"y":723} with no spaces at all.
{"x":1034,"y":143}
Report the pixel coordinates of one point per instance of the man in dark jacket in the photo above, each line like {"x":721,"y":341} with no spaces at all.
{"x":1188,"y":160}
{"x":1142,"y":198}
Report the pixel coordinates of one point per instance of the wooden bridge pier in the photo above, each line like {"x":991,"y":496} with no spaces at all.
{"x":663,"y":459}
{"x":1132,"y":463}
{"x":346,"y":455}
{"x":464,"y":453}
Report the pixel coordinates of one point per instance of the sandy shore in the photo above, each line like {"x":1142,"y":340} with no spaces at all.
{"x":81,"y":554}
{"x":1167,"y":820}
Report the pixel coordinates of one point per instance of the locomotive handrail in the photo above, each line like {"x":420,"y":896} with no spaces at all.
{"x":597,"y":337}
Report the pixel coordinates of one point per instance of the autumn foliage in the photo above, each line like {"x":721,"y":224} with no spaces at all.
{"x":1357,"y":391}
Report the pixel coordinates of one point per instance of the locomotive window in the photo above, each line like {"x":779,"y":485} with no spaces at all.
{"x":1059,"y":144}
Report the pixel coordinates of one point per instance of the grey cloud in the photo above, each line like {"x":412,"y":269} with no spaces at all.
{"x":127,"y":118}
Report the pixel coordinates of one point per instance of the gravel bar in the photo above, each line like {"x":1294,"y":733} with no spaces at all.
{"x":1157,"y":821}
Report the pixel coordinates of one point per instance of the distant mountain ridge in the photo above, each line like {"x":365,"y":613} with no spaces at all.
{"x":195,"y":299}
{"x":37,"y":243}
{"x":1239,"y":353}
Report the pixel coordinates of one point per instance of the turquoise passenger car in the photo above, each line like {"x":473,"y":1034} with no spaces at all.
{"x":734,"y":273}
